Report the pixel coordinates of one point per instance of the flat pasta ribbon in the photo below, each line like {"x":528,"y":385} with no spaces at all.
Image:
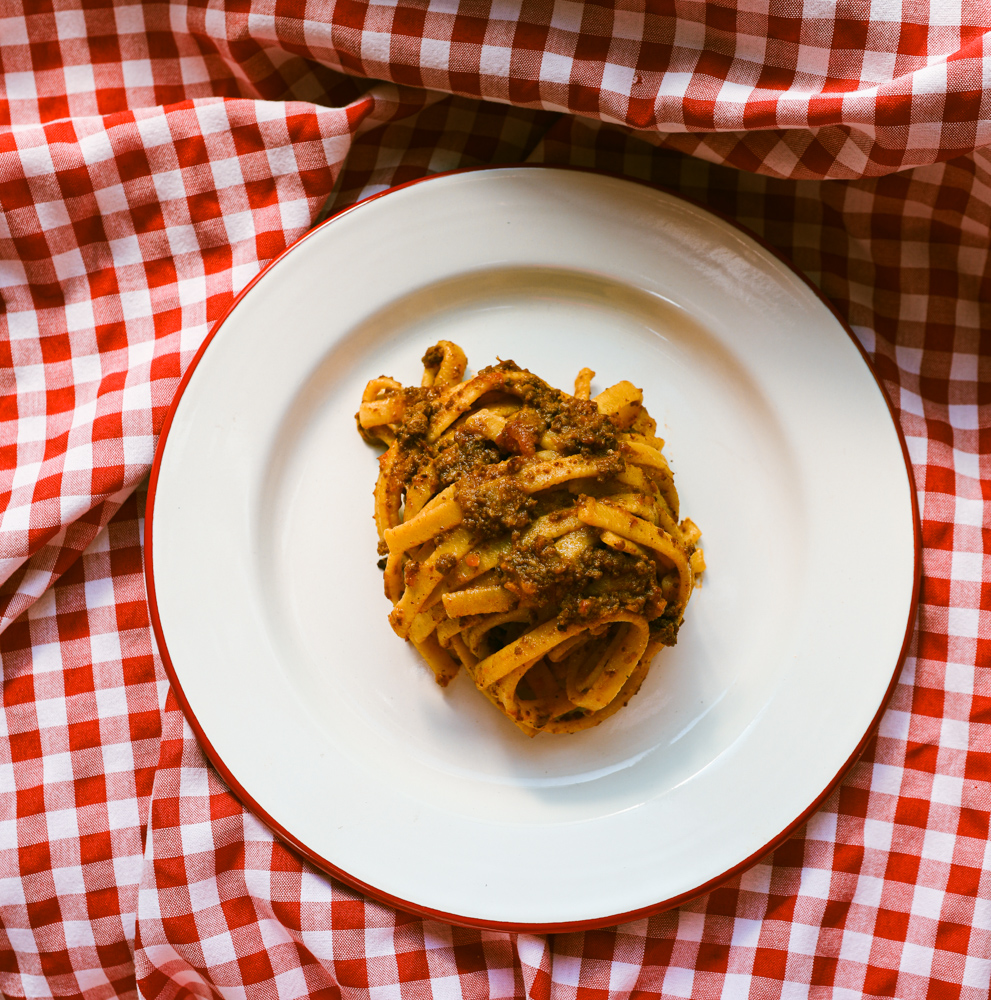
{"x":528,"y":535}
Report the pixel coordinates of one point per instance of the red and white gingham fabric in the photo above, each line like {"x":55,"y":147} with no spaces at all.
{"x":154,"y":157}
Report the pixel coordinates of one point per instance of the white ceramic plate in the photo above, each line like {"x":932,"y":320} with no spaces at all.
{"x":269,"y":607}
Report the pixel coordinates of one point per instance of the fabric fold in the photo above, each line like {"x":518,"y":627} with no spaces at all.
{"x":154,"y":157}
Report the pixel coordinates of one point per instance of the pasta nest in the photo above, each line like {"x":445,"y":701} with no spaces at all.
{"x":528,"y":535}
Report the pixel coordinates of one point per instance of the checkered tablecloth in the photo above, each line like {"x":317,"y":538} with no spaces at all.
{"x":154,"y":157}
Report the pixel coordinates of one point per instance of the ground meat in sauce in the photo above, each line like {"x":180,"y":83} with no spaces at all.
{"x":433,"y":357}
{"x":577,"y":424}
{"x":599,"y":580}
{"x":466,"y":451}
{"x":495,"y":506}
{"x":445,"y":563}
{"x":522,"y":432}
{"x":580,"y":428}
{"x":665,"y":629}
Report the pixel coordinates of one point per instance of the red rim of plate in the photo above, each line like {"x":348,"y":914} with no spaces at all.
{"x":404,"y":904}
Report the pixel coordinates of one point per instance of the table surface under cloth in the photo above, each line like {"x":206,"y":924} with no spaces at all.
{"x":154,"y":157}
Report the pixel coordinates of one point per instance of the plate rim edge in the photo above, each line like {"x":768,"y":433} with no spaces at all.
{"x":409,"y":906}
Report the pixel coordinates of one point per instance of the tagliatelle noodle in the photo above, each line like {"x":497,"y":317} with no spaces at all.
{"x":529,"y":536}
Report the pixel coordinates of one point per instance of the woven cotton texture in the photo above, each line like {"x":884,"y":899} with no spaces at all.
{"x":153,"y":158}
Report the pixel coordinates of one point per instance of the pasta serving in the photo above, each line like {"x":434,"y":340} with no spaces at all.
{"x":528,"y":535}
